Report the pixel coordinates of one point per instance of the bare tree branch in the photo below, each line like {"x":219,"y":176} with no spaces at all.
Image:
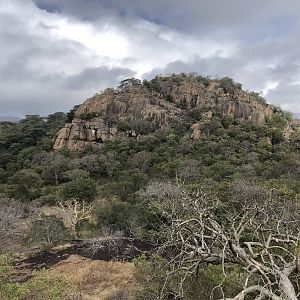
{"x":255,"y":231}
{"x":75,"y":211}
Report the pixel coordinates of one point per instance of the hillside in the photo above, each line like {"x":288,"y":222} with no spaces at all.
{"x":133,"y":174}
{"x":137,"y":108}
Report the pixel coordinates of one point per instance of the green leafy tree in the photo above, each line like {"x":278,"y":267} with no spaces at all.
{"x":83,"y":189}
{"x":71,"y":113}
{"x":26,"y":185}
{"x":54,"y":167}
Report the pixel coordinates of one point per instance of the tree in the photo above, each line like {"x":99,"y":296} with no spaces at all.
{"x":27,"y":185}
{"x":253,"y":229}
{"x":71,"y":113}
{"x":54,"y":122}
{"x":11,"y":213}
{"x":141,"y":160}
{"x":54,"y":166}
{"x":32,"y":129}
{"x":189,"y":170}
{"x":128,"y":83}
{"x":75,"y":211}
{"x":81,"y":189}
{"x":93,"y":164}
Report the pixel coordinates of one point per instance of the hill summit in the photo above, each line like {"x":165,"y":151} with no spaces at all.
{"x":137,"y":108}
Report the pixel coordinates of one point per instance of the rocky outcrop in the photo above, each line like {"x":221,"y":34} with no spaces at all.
{"x":108,"y":111}
{"x":78,"y":134}
{"x":291,"y":128}
{"x":134,"y":110}
{"x":238,"y":104}
{"x":196,"y":131}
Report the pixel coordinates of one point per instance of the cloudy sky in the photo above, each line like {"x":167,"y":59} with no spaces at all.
{"x":56,"y":53}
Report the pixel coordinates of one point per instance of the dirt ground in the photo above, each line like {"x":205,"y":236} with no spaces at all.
{"x":104,"y":273}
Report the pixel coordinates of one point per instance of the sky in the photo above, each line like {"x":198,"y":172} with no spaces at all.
{"x":56,"y":53}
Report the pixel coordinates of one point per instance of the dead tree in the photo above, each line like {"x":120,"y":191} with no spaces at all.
{"x":75,"y":211}
{"x":108,"y":240}
{"x":11,"y":213}
{"x":259,"y":233}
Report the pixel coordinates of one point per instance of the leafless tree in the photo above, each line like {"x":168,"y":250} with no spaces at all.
{"x":107,"y":239}
{"x":256,"y":230}
{"x":75,"y":211}
{"x":189,"y":170}
{"x":141,"y":160}
{"x":11,"y":213}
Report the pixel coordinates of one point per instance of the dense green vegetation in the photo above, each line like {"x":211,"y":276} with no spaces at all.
{"x":229,"y":149}
{"x":114,"y":177}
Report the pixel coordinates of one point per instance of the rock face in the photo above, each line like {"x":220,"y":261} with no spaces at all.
{"x":78,"y":134}
{"x":140,"y":108}
{"x":291,"y":128}
{"x":108,"y":111}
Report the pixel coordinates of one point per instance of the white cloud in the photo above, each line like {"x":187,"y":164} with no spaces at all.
{"x":270,"y":85}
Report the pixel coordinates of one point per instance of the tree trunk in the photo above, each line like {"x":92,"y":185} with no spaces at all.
{"x":56,"y":179}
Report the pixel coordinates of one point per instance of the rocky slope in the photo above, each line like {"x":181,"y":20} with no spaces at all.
{"x":137,"y":108}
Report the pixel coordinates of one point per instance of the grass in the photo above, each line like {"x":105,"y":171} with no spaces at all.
{"x":98,"y":279}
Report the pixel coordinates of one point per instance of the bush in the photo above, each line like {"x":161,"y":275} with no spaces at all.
{"x":258,"y":97}
{"x":208,"y":283}
{"x":140,"y":126}
{"x":9,"y":290}
{"x":58,"y":287}
{"x":204,"y":80}
{"x":88,"y":116}
{"x":150,"y":277}
{"x":47,"y":232}
{"x":116,"y":214}
{"x":229,"y":85}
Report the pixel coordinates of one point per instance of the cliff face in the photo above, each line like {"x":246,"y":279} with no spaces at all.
{"x":138,"y":108}
{"x":108,"y":110}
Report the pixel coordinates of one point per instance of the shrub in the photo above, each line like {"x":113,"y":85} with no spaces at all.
{"x":229,"y":85}
{"x":115,"y":214}
{"x":47,"y":232}
{"x":141,"y":126}
{"x":204,"y":80}
{"x":258,"y":97}
{"x":151,"y":273}
{"x":150,"y":277}
{"x":88,"y":116}
{"x":58,"y":287}
{"x":9,"y":290}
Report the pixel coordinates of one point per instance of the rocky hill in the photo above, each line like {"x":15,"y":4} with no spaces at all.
{"x":136,"y":108}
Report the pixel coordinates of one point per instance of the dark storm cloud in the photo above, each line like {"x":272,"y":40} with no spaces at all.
{"x":56,"y":53}
{"x":57,"y":92}
{"x":188,"y":14}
